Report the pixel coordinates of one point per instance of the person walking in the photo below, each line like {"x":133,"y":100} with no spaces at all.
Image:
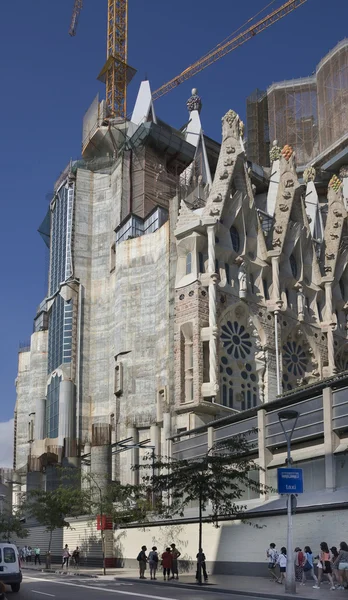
{"x":153,"y":562}
{"x":167,"y":561}
{"x":272,"y":557}
{"x":65,"y":556}
{"x":282,"y":561}
{"x":300,"y":560}
{"x":37,"y":552}
{"x":340,"y":565}
{"x":201,"y":565}
{"x":76,"y":557}
{"x":142,"y":559}
{"x":175,"y":555}
{"x":308,"y":568}
{"x":324,"y":566}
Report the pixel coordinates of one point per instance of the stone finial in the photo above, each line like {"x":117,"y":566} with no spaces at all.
{"x":287,"y":152}
{"x":275,"y":152}
{"x":241,"y":128}
{"x":230,"y":117}
{"x":343,"y":171}
{"x":335,"y":183}
{"x":194,"y":102}
{"x":309,"y":174}
{"x":231,"y":125}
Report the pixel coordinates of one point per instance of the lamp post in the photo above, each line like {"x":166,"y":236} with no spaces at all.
{"x":289,"y":416}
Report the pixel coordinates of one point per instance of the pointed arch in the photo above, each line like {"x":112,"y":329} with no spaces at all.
{"x":242,"y":363}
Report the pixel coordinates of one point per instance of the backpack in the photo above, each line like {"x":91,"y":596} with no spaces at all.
{"x":140,"y":556}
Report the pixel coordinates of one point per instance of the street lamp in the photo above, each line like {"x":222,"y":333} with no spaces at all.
{"x":288,"y":416}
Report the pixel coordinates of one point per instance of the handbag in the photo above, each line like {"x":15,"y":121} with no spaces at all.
{"x":307,"y":566}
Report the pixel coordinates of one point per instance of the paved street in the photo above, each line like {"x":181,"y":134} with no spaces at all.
{"x":67,"y":588}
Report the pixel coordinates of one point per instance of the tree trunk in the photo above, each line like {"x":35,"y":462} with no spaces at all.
{"x":199,"y":563}
{"x":50,"y":541}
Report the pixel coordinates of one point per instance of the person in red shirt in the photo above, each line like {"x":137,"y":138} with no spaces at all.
{"x":167,"y":561}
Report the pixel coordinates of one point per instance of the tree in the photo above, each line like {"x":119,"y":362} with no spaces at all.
{"x":217,"y":480}
{"x":114,"y":504}
{"x":54,"y":509}
{"x":12,"y":521}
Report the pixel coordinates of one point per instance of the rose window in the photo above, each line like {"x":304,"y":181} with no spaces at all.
{"x":235,"y":340}
{"x":294,"y":359}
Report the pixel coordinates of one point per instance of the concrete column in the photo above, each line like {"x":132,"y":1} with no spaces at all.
{"x":167,"y":447}
{"x":210,"y":434}
{"x":40,"y":411}
{"x":329,"y":319}
{"x":275,"y":279}
{"x":265,"y":455}
{"x":133,"y":456}
{"x":66,"y":425}
{"x":212,"y":309}
{"x":331,"y":440}
{"x":113,"y":457}
{"x":86,"y":469}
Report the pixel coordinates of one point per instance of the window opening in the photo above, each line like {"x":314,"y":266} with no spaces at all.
{"x":188,"y":263}
{"x":235,"y":239}
{"x":293,"y":266}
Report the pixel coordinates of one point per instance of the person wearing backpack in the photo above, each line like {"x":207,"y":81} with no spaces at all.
{"x":153,"y":562}
{"x":272,"y":557}
{"x":300,"y":561}
{"x":308,"y":568}
{"x":142,"y":560}
{"x":282,"y":561}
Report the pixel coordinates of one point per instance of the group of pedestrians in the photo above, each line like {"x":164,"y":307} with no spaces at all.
{"x":331,"y":563}
{"x":168,"y":561}
{"x":28,"y":553}
{"x":75,"y":556}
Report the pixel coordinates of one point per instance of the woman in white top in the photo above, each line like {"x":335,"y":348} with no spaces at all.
{"x":282,"y":560}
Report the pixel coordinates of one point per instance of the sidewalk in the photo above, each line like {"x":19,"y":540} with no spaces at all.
{"x":233,"y":584}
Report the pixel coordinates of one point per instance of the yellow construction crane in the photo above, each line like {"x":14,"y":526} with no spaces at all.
{"x":116,"y":73}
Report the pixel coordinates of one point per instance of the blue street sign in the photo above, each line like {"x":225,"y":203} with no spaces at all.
{"x":290,"y":481}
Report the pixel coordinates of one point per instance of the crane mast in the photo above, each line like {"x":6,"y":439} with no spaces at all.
{"x":227,"y":47}
{"x":75,"y":17}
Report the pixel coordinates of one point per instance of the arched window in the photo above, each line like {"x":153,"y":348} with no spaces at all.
{"x":227,"y":272}
{"x":238,"y":375}
{"x":235,"y":239}
{"x":265,"y":289}
{"x":293,"y":266}
{"x":188,"y":263}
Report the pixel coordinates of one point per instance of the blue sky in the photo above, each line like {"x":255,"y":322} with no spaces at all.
{"x":49,"y":80}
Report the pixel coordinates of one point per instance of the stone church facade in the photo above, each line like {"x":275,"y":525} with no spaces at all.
{"x":186,"y":284}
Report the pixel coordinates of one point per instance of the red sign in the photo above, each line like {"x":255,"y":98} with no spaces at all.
{"x":104,"y":522}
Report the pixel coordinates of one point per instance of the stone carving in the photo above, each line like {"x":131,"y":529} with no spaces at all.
{"x":230,"y":149}
{"x":230,"y":117}
{"x":330,"y":256}
{"x":241,"y":128}
{"x":283,"y":207}
{"x":242,"y":278}
{"x":337,"y":213}
{"x":327,"y":269}
{"x":214,"y":212}
{"x":278,"y":229}
{"x":336,"y":225}
{"x":217,"y":198}
{"x":335,"y":183}
{"x":309,"y":174}
{"x":228,"y":162}
{"x":194,"y":102}
{"x":275,"y":152}
{"x":191,"y":293}
{"x":287,"y":152}
{"x":289,"y":183}
{"x":276,"y":242}
{"x":334,"y":236}
{"x":343,"y":171}
{"x":286,"y":195}
{"x":224,"y":175}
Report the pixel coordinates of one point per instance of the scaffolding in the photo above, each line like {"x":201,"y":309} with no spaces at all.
{"x":332,"y":82}
{"x":257,"y":128}
{"x":293,"y":118}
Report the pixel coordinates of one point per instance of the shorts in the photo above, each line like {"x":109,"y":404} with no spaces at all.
{"x":282,"y":569}
{"x":271,"y":565}
{"x":343,"y":566}
{"x":327,"y":567}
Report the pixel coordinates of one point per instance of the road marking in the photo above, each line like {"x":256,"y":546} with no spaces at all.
{"x":101,"y":589}
{"x":43,"y":593}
